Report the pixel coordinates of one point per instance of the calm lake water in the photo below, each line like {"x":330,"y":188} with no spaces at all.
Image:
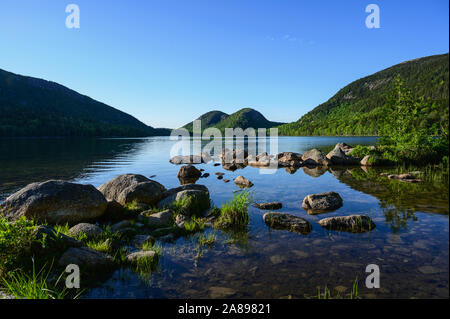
{"x":410,"y":243}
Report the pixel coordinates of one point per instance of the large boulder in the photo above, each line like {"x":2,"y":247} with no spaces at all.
{"x":321,"y":202}
{"x":315,"y":157}
{"x":352,"y":224}
{"x":338,"y":156}
{"x":189,"y":202}
{"x":55,"y":202}
{"x":86,"y":258}
{"x":287,"y":222}
{"x":128,"y":188}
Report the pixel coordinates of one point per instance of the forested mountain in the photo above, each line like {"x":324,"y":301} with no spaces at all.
{"x":35,"y":107}
{"x":359,"y":108}
{"x":243,"y":118}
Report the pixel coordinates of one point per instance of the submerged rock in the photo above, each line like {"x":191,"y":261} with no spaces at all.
{"x":88,"y":230}
{"x":322,"y":202}
{"x":128,"y":188}
{"x":242,"y":182}
{"x":352,"y":224}
{"x":55,"y":202}
{"x":287,"y":222}
{"x":409,"y":178}
{"x":268,"y":206}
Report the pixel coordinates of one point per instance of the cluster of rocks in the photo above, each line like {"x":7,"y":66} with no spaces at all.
{"x":84,"y":207}
{"x":315,"y":204}
{"x":238,"y":158}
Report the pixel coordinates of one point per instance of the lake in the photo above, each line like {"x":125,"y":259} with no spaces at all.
{"x":410,"y":243}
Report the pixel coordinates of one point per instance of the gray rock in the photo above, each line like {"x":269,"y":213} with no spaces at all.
{"x":322,"y":202}
{"x":338,"y":156}
{"x":289,"y":159}
{"x":140,"y":240}
{"x":189,"y":171}
{"x":163,"y":218}
{"x":55,"y":202}
{"x":178,"y":189}
{"x":365,"y":161}
{"x":130,"y":188}
{"x":114,"y":211}
{"x":268,"y":206}
{"x":86,"y":258}
{"x":315,"y":157}
{"x":89,"y":230}
{"x":134,"y":258}
{"x":120,"y":225}
{"x":195,"y":201}
{"x":287,"y":222}
{"x":352,"y":224}
{"x":191,"y":159}
{"x":241,"y":181}
{"x":54,"y":239}
{"x":181,"y":219}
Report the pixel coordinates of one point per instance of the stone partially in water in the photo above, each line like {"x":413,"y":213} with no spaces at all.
{"x":128,"y":188}
{"x":315,"y":157}
{"x":287,"y":222}
{"x":55,"y":202}
{"x":352,"y":224}
{"x":268,"y":206}
{"x":242,"y":182}
{"x":188,"y":172}
{"x":338,"y":156}
{"x":316,"y":203}
{"x":192,"y":201}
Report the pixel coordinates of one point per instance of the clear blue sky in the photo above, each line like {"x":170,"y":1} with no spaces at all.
{"x":166,"y":62}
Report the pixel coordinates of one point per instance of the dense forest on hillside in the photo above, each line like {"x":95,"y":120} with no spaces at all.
{"x":360,"y":108}
{"x":35,"y":107}
{"x":243,"y":118}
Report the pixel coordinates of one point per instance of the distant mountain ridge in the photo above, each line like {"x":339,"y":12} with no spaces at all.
{"x":35,"y":107}
{"x":244,"y":118}
{"x":357,"y":109}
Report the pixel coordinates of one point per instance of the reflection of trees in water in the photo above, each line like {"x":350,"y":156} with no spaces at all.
{"x":396,"y":217}
{"x":23,"y":161}
{"x":398,"y":200}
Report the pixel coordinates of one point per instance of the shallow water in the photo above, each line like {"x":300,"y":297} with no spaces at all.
{"x":410,"y":243}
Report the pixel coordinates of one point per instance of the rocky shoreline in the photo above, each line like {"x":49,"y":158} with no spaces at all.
{"x":119,"y":222}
